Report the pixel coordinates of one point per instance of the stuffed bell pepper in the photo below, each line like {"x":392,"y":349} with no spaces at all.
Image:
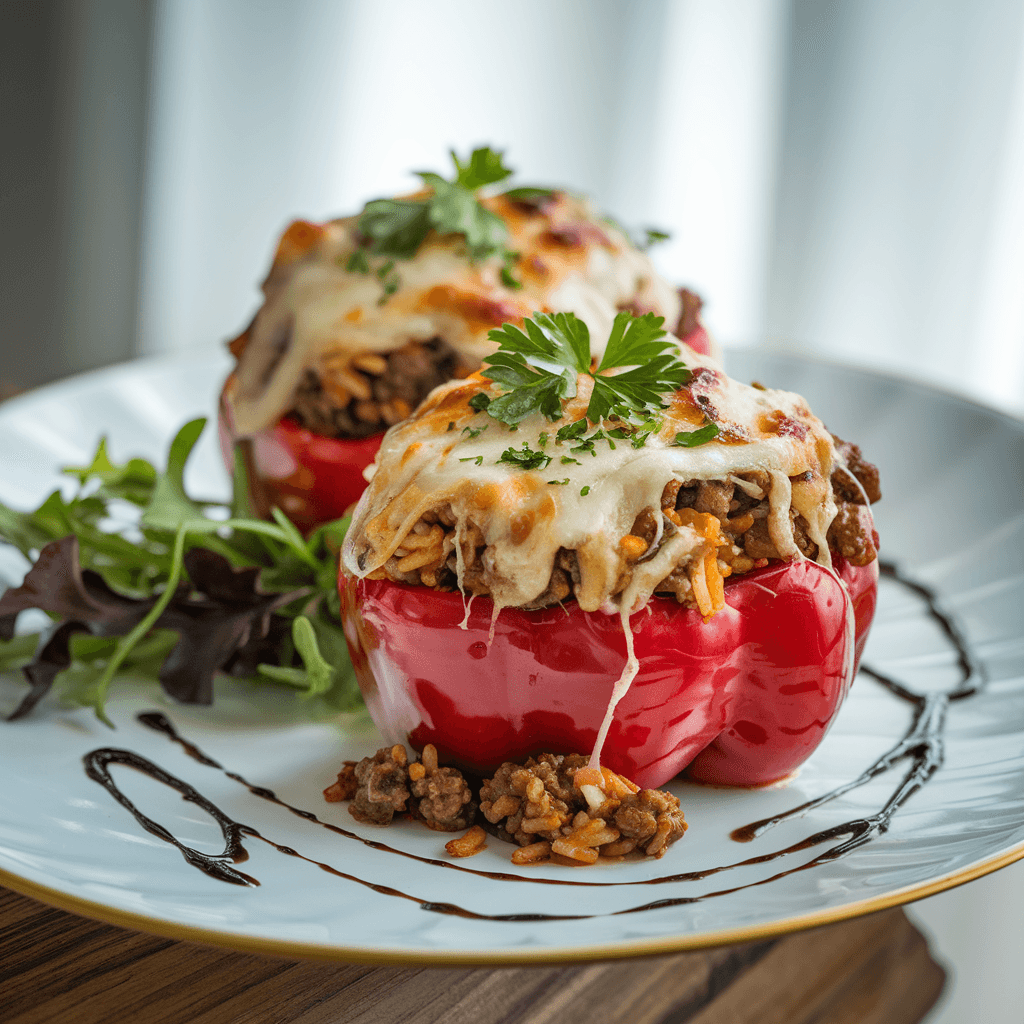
{"x":638,"y":559}
{"x":363,"y":316}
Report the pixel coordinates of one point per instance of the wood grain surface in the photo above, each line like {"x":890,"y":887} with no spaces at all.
{"x":57,"y":967}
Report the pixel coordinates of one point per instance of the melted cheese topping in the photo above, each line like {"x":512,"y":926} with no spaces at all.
{"x":316,"y":310}
{"x":432,"y":462}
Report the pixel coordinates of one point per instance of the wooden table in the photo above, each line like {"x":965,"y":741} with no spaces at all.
{"x":57,"y":967}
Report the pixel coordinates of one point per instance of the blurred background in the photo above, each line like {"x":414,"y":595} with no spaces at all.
{"x":840,"y":177}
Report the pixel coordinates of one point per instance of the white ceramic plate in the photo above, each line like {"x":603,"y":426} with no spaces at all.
{"x":953,"y":477}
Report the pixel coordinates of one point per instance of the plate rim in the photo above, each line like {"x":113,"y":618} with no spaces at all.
{"x":407,"y":957}
{"x":399,"y":956}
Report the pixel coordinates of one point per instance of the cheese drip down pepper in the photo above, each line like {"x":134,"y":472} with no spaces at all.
{"x":695,"y":588}
{"x":742,"y":700}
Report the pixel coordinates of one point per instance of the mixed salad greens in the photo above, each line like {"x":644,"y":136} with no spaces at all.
{"x":138,"y":578}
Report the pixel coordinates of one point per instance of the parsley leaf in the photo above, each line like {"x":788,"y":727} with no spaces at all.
{"x":560,"y":483}
{"x":395,"y":227}
{"x":528,"y":193}
{"x":454,"y":210}
{"x":538,"y":367}
{"x":358,"y":263}
{"x":634,"y":340}
{"x":485,"y":166}
{"x":552,"y":339}
{"x":653,"y":236}
{"x":525,"y":457}
{"x":508,"y":279}
{"x":572,"y":431}
{"x":529,"y":389}
{"x":398,"y":227}
{"x":641,"y":239}
{"x":695,"y":438}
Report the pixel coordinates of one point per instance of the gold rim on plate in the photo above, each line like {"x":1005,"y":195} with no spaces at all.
{"x":466,"y":958}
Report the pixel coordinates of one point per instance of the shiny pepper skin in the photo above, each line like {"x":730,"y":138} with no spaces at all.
{"x":741,"y":700}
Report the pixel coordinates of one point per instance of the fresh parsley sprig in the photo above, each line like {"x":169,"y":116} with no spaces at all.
{"x":396,"y":228}
{"x":538,"y":367}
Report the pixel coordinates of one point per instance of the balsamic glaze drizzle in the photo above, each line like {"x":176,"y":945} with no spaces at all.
{"x":922,"y":746}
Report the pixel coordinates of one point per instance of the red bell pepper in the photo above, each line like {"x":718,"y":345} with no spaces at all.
{"x":311,"y":478}
{"x":740,"y":700}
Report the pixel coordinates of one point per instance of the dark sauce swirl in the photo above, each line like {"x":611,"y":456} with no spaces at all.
{"x":922,"y":747}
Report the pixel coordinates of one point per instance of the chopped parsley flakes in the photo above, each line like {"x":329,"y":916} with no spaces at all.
{"x":525,"y":457}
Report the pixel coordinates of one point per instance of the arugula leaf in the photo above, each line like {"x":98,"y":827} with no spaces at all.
{"x":131,"y":482}
{"x":178,"y":597}
{"x":18,"y":652}
{"x":169,"y":507}
{"x":22,"y":530}
{"x":695,"y":438}
{"x":316,"y":675}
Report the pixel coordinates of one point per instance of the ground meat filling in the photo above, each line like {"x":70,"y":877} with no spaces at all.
{"x":371,"y":392}
{"x":387,"y":784}
{"x":864,"y":473}
{"x":557,"y":809}
{"x":554,"y":806}
{"x":427,"y":556}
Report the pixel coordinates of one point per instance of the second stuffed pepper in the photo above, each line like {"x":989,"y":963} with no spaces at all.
{"x":363,"y":316}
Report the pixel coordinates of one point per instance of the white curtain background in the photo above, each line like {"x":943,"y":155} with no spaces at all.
{"x":843,"y":178}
